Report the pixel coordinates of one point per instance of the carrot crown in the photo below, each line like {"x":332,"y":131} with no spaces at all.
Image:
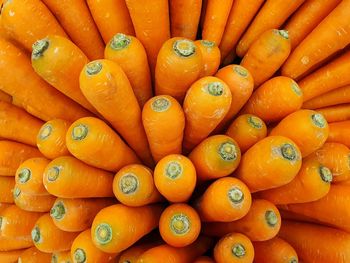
{"x":238,"y":250}
{"x":36,"y":235}
{"x":160,"y":104}
{"x":326,"y":174}
{"x":93,"y":68}
{"x":214,"y":88}
{"x":16,"y":192}
{"x":54,"y":258}
{"x":120,"y":41}
{"x":282,"y":33}
{"x":184,"y":47}
{"x":293,"y":260}
{"x":24,"y":175}
{"x":318,"y":120}
{"x":296,"y":89}
{"x":79,"y":132}
{"x":180,"y":224}
{"x":128,"y":183}
{"x":173,"y":169}
{"x":79,"y":255}
{"x":58,"y":211}
{"x":235,"y":195}
{"x":103,"y":233}
{"x":53,"y":173}
{"x":240,"y":71}
{"x":271,"y":218}
{"x":45,"y":131}
{"x":289,"y":152}
{"x":228,"y":151}
{"x":39,"y":47}
{"x":255,"y":122}
{"x":207,"y":43}
{"x":1,"y":219}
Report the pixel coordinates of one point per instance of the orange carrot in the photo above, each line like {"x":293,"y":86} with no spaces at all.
{"x":111,"y":17}
{"x":32,"y":203}
{"x":272,"y":15}
{"x":3,"y":206}
{"x":131,"y":56}
{"x":204,"y":260}
{"x":75,"y":215}
{"x":307,"y":128}
{"x":216,"y":15}
{"x":10,"y":244}
{"x":109,"y":233}
{"x":66,"y":177}
{"x":51,"y":139}
{"x":75,"y":18}
{"x":164,"y":123}
{"x":235,"y":248}
{"x":11,"y":256}
{"x":235,"y":201}
{"x":338,"y":132}
{"x":5,"y":97}
{"x":107,"y":87}
{"x":180,"y":60}
{"x":6,"y":186}
{"x":336,"y":113}
{"x":329,"y":36}
{"x":210,"y":57}
{"x":131,"y":254}
{"x":111,"y":154}
{"x":206,"y":103}
{"x":266,"y":55}
{"x":61,"y":257}
{"x":34,"y":255}
{"x":264,"y":160}
{"x":229,"y":58}
{"x":175,"y":177}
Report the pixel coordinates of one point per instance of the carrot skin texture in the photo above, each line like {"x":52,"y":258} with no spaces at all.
{"x":336,"y":113}
{"x":34,"y":255}
{"x":63,"y":257}
{"x":7,"y":184}
{"x":131,"y":254}
{"x":210,"y":57}
{"x":32,"y":203}
{"x":5,"y":97}
{"x":338,"y":132}
{"x":10,"y":256}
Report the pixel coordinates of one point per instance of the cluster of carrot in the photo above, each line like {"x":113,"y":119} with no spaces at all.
{"x":174,"y":131}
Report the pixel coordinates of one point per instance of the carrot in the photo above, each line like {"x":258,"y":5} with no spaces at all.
{"x":204,"y":259}
{"x":164,"y":123}
{"x":266,"y":55}
{"x":338,"y":132}
{"x":33,"y":255}
{"x":175,"y":177}
{"x":11,"y":256}
{"x":241,"y":14}
{"x":336,"y":113}
{"x":246,"y":130}
{"x":210,"y":57}
{"x":225,"y":200}
{"x":179,"y":60}
{"x":19,"y":80}
{"x":329,"y":36}
{"x":29,"y":176}
{"x":152,"y":25}
{"x":131,"y":56}
{"x":205,"y":106}
{"x":311,"y":183}
{"x":6,"y":186}
{"x":275,"y":250}
{"x":85,"y":134}
{"x":268,"y":157}
{"x":13,"y":154}
{"x":10,"y":244}
{"x":48,"y":238}
{"x":272,"y":15}
{"x":307,"y":128}
{"x":18,"y":125}
{"x":306,"y":18}
{"x":131,"y":254}
{"x":3,"y":206}
{"x":61,"y":257}
{"x":66,"y":177}
{"x":5,"y":97}
{"x":109,"y":233}
{"x":75,"y":215}
{"x":111,"y":17}
{"x":228,"y":60}
{"x":288,"y":215}
{"x":133,"y":185}
{"x":59,"y":62}
{"x":234,"y":247}
{"x":275,"y":99}
{"x":108,"y":89}
{"x":314,"y":243}
{"x":262,"y":222}
{"x":216,"y":16}
{"x":83,"y":250}
{"x":51,"y":139}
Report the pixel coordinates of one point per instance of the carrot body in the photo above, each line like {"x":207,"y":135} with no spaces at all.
{"x":32,"y":203}
{"x":210,"y":57}
{"x":10,"y":244}
{"x":11,"y":256}
{"x":338,"y":132}
{"x":33,"y":255}
{"x":66,"y":177}
{"x":131,"y":254}
{"x":6,"y":186}
{"x":5,"y":97}
{"x":164,"y":122}
{"x":204,"y":260}
{"x":336,"y":113}
{"x":3,"y":206}
{"x":61,"y":257}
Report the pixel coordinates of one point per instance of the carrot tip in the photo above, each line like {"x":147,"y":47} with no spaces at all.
{"x":235,"y":195}
{"x":45,"y":132}
{"x":326,"y":174}
{"x":103,"y":233}
{"x":296,"y":89}
{"x":240,"y":71}
{"x":93,"y":68}
{"x":16,"y":192}
{"x":120,"y":41}
{"x":238,"y":250}
{"x":228,"y":151}
{"x":255,"y":122}
{"x":207,"y":43}
{"x":79,"y":255}
{"x":24,"y":175}
{"x":53,"y":173}
{"x":79,"y":132}
{"x":214,"y":88}
{"x":184,"y":47}
{"x":39,"y":47}
{"x":160,"y":104}
{"x":289,"y":152}
{"x":271,"y":218}
{"x":36,"y":236}
{"x":283,"y":33}
{"x":180,"y":224}
{"x":173,"y":169}
{"x":128,"y":183}
{"x":318,"y":120}
{"x":58,"y":211}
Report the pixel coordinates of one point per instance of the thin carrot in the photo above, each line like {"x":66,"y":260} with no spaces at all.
{"x":329,"y":36}
{"x":6,"y":186}
{"x":338,"y":132}
{"x":32,"y":203}
{"x":5,"y":97}
{"x":109,"y":233}
{"x":164,"y":123}
{"x":85,"y":134}
{"x":204,"y":259}
{"x":107,"y":87}
{"x":34,"y":255}
{"x":272,"y":15}
{"x":131,"y":254}
{"x":210,"y":57}
{"x":11,"y":256}
{"x":61,"y":257}
{"x":331,"y":98}
{"x":66,"y":177}
{"x":336,"y":113}
{"x":175,"y":177}
{"x":180,"y":60}
{"x":307,"y":128}
{"x":9,"y":244}
{"x":131,"y":56}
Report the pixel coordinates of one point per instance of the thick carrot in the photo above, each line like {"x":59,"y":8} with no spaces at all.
{"x":210,"y":57}
{"x":131,"y":254}
{"x":109,"y":233}
{"x":10,"y":244}
{"x":107,"y":87}
{"x":272,"y":15}
{"x":3,"y":206}
{"x":206,"y":103}
{"x":330,"y":35}
{"x":175,"y":177}
{"x":311,"y":183}
{"x":180,"y":60}
{"x":6,"y":187}
{"x":34,"y":255}
{"x":164,"y":122}
{"x":66,"y":177}
{"x":307,"y":128}
{"x":75,"y":215}
{"x":262,"y":222}
{"x":18,"y":125}
{"x":131,"y":56}
{"x":266,"y":55}
{"x":32,"y":203}
{"x":61,"y":257}
{"x":11,"y":256}
{"x":51,"y":139}
{"x":5,"y":97}
{"x":216,"y":15}
{"x":13,"y":154}
{"x":204,"y":259}
{"x":268,"y":157}
{"x":275,"y":99}
{"x":95,"y":143}
{"x":338,"y":132}
{"x":314,"y":243}
{"x":275,"y":250}
{"x":225,"y":200}
{"x":336,"y":113}
{"x":235,"y":248}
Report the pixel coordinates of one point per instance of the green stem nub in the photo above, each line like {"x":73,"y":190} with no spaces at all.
{"x":79,"y":132}
{"x":53,"y":173}
{"x":120,"y":41}
{"x":283,"y":33}
{"x":1,"y":219}
{"x":255,"y":122}
{"x":318,"y":120}
{"x":271,"y":218}
{"x":215,"y":88}
{"x":326,"y":174}
{"x":160,"y":104}
{"x":45,"y":132}
{"x":207,"y":43}
{"x":228,"y":151}
{"x":54,"y":258}
{"x":103,"y":233}
{"x":180,"y":224}
{"x":296,"y":89}
{"x":58,"y":211}
{"x":36,"y":236}
{"x":289,"y":152}
{"x":39,"y":47}
{"x":238,"y":250}
{"x":240,"y":71}
{"x":93,"y":68}
{"x":24,"y":175}
{"x":173,"y":170}
{"x":293,"y":260}
{"x":16,"y":192}
{"x":128,"y":183}
{"x":184,"y":47}
{"x":235,"y":195}
{"x":79,"y":255}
